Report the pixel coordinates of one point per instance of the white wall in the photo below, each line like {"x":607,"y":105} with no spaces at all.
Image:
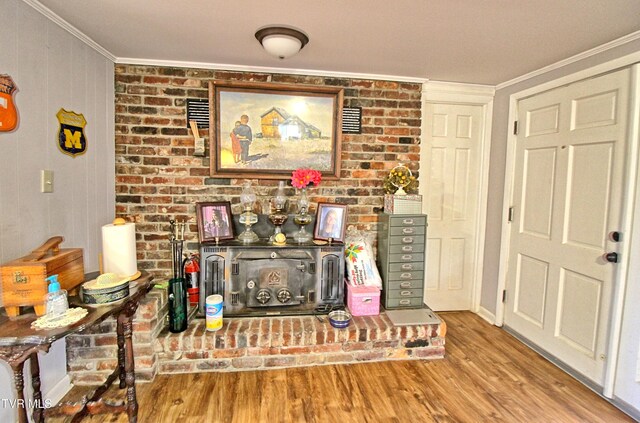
{"x":53,"y":70}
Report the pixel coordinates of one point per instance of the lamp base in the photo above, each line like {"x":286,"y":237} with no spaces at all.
{"x":302,"y":236}
{"x":248,"y":236}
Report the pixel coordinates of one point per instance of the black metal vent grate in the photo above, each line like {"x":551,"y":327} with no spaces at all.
{"x":352,"y":120}
{"x":198,"y":110}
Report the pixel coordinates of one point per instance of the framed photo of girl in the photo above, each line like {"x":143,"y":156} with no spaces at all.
{"x":331,"y":222}
{"x":215,"y":221}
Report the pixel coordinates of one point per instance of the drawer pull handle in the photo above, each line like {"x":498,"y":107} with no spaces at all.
{"x":406,"y":256}
{"x":405,"y":284}
{"x":408,"y":221}
{"x":406,"y":293}
{"x":407,"y":240}
{"x":407,"y":248}
{"x":408,"y":230}
{"x":405,"y":302}
{"x":405,"y":275}
{"x":407,"y":266}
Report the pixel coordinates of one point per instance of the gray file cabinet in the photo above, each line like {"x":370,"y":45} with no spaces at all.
{"x":402,"y":242}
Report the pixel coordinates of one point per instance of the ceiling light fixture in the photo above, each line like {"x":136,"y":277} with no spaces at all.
{"x":281,"y":42}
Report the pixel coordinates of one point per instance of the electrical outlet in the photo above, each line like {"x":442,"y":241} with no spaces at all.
{"x":46,"y":181}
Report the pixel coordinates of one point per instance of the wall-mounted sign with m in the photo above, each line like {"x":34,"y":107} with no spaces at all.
{"x":71,"y":137}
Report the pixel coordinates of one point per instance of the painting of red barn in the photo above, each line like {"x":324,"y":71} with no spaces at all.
{"x":265,"y":130}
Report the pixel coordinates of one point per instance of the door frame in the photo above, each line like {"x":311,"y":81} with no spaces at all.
{"x":631,"y":175}
{"x":437,"y":92}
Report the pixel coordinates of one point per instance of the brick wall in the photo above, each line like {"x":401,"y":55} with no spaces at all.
{"x":158,"y":178}
{"x":92,"y":355}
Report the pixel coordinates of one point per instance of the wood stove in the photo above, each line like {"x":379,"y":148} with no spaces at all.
{"x":261,"y":279}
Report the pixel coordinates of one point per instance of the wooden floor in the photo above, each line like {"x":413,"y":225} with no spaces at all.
{"x":486,"y":376}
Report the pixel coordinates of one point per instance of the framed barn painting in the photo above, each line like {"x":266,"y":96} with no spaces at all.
{"x":265,"y":130}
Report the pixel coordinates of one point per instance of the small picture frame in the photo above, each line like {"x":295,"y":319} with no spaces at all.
{"x":215,"y":221}
{"x":331,"y":222}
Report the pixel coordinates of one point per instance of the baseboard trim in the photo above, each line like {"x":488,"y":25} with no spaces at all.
{"x":58,"y":392}
{"x":487,"y":315}
{"x":626,"y":407}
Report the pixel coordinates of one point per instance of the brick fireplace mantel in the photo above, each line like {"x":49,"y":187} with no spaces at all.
{"x":247,"y":344}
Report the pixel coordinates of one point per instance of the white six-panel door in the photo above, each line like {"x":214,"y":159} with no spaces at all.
{"x":453,"y":149}
{"x":567,"y":198}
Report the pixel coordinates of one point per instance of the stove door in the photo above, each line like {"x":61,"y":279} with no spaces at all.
{"x":275,"y":283}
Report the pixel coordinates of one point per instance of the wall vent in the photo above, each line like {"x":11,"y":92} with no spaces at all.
{"x":198,"y":110}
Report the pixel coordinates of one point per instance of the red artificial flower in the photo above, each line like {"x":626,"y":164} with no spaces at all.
{"x":301,"y":178}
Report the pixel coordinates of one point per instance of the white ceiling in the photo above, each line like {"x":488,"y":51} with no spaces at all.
{"x":472,"y":41}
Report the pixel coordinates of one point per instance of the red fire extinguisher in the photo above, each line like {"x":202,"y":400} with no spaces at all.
{"x":191,"y":274}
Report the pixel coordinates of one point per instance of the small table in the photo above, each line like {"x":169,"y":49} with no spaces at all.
{"x":18,"y":342}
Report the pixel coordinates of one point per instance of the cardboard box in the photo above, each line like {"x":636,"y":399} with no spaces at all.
{"x":403,"y":204}
{"x":363,"y":300}
{"x":24,"y":280}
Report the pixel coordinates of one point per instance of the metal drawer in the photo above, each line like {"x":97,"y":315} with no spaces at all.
{"x":413,"y":284}
{"x":405,"y":267}
{"x":407,"y":230}
{"x":406,"y":257}
{"x":404,"y":293}
{"x":405,"y":276}
{"x":407,"y":221}
{"x":405,"y":240}
{"x":408,"y":248}
{"x":404,"y":303}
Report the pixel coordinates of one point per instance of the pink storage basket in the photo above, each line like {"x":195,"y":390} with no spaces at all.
{"x":363,"y":300}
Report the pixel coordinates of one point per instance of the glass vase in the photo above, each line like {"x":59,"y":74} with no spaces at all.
{"x":302,"y":218}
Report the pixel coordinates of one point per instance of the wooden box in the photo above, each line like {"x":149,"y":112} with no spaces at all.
{"x":24,"y":280}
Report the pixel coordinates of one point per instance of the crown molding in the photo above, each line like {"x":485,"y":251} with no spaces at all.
{"x":265,"y":69}
{"x":442,"y":91}
{"x":48,"y":13}
{"x":580,"y":56}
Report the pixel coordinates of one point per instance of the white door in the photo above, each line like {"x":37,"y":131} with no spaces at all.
{"x":451,"y":171}
{"x":567,"y":199}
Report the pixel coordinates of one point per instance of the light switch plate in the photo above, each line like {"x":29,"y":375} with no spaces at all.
{"x":46,"y":181}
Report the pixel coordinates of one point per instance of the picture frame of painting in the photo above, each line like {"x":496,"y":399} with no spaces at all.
{"x":331,"y":222}
{"x":267,"y":130}
{"x":215,"y":221}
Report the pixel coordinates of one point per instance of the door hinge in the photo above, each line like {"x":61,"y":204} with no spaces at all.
{"x":504,"y":295}
{"x":510,"y":215}
{"x":515,"y":127}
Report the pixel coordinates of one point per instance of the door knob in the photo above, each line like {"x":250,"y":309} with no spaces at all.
{"x":611,"y":257}
{"x":614,"y":236}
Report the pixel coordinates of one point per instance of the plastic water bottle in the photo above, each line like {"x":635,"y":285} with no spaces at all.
{"x":57,"y":303}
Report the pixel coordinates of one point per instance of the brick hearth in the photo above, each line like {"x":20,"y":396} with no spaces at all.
{"x":275,"y":342}
{"x":246,"y":344}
